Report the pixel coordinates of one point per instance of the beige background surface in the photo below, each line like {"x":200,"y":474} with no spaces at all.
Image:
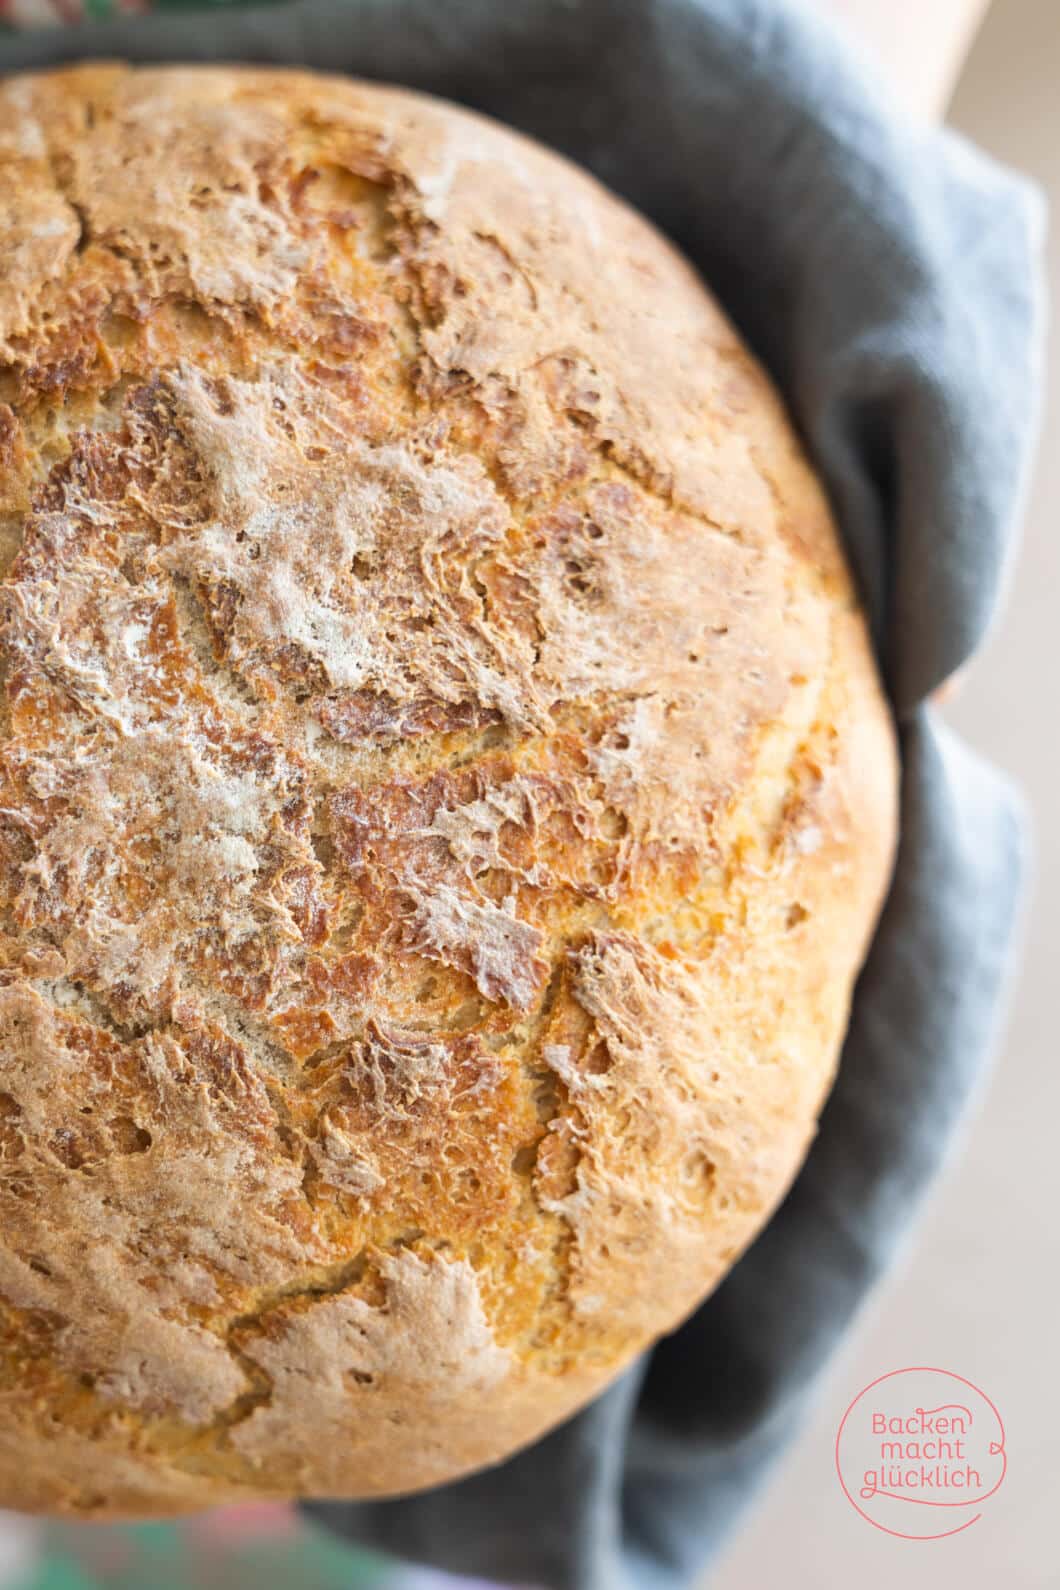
{"x":980,"y":1293}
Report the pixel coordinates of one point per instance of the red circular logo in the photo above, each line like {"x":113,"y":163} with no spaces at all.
{"x":919,"y":1452}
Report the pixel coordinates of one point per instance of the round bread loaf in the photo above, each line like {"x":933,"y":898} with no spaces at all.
{"x":446,"y":790}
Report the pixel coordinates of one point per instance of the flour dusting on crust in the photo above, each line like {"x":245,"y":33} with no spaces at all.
{"x":444,"y":790}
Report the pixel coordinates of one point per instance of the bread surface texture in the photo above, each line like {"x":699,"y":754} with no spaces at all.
{"x":446,"y":793}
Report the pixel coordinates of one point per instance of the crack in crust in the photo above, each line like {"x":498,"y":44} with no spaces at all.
{"x":445,"y":790}
{"x":242,"y":1329}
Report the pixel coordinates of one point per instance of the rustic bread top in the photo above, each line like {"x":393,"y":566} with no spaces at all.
{"x":446,"y":794}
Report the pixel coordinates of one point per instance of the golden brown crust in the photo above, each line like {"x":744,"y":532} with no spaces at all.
{"x":445,"y":790}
